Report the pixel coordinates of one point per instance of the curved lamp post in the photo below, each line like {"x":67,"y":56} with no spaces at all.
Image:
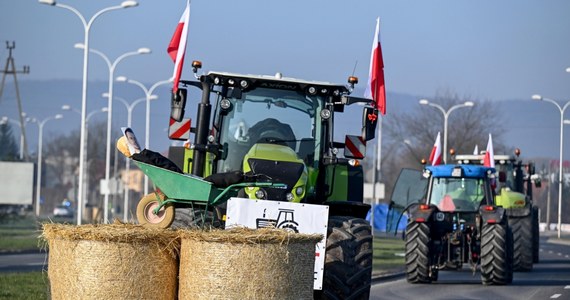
{"x":148,"y":92}
{"x":84,"y":186}
{"x":445,"y":117}
{"x":39,"y":171}
{"x":129,"y":108}
{"x":561,"y":109}
{"x":86,"y":27}
{"x":111,"y":66}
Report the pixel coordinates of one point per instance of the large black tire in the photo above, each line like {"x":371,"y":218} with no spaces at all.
{"x":348,"y":259}
{"x":417,"y":257}
{"x":535,"y":235}
{"x":496,"y":254}
{"x":522,"y":242}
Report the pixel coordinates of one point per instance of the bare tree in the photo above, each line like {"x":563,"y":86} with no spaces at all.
{"x":409,"y":137}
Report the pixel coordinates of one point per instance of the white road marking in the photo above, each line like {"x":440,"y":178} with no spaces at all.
{"x":567,"y":287}
{"x":555,"y":296}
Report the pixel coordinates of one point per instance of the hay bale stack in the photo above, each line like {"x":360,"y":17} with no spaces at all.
{"x":246,"y":264}
{"x":111,"y":261}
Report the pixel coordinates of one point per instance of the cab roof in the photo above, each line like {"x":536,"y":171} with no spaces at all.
{"x":277,"y":77}
{"x":466,"y":171}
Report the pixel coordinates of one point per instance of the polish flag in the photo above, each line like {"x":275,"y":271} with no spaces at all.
{"x":489,"y":160}
{"x":435,"y":156}
{"x":376,"y":89}
{"x":177,"y":46}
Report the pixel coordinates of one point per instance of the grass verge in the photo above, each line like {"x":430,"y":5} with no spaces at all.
{"x":388,"y":254}
{"x":29,"y":285}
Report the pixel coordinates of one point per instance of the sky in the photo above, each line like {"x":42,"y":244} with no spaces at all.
{"x":488,"y":50}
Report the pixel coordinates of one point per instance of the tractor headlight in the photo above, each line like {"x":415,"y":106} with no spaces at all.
{"x":299,"y":191}
{"x":325,"y":114}
{"x":261,"y":194}
{"x":289,"y":197}
{"x":225,"y":103}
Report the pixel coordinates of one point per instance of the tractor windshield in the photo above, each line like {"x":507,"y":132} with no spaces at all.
{"x":283,"y":117}
{"x":457,"y":194}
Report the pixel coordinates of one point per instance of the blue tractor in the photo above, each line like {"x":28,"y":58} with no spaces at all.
{"x":453,"y":221}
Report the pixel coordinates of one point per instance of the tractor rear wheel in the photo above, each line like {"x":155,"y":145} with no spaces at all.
{"x":417,"y":257}
{"x":496,"y":254}
{"x":522,"y":242}
{"x":348,"y":259}
{"x":146,"y":215}
{"x":535,"y":235}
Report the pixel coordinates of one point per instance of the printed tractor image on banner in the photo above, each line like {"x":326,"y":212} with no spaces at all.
{"x":295,"y":217}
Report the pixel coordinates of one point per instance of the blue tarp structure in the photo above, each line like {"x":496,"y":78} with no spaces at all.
{"x":381,"y":215}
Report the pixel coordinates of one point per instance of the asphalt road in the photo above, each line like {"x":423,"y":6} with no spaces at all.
{"x":549,"y":279}
{"x":24,"y":262}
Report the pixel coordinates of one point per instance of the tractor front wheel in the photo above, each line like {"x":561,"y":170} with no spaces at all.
{"x":523,"y":242}
{"x":417,"y":257}
{"x":348,"y":259}
{"x":146,"y":215}
{"x":496,"y":254}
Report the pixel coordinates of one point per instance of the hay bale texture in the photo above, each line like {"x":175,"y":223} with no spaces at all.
{"x":111,"y":261}
{"x":246,"y":264}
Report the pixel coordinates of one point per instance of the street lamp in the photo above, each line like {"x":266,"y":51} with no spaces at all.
{"x":86,"y":27}
{"x":561,"y":109}
{"x":84,"y":186}
{"x":445,"y":116}
{"x":148,"y":93}
{"x":129,"y":108}
{"x":39,"y":171}
{"x":111,"y":66}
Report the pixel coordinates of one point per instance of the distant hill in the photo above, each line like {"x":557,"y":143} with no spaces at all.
{"x":532,"y":126}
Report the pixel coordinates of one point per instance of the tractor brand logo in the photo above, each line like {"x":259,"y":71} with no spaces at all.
{"x":285,"y":220}
{"x":278,"y":85}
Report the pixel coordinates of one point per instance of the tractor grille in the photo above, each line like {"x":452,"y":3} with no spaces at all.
{"x":278,"y":172}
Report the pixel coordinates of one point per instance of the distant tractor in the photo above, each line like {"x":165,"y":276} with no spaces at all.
{"x":454,"y":221}
{"x":514,"y":194}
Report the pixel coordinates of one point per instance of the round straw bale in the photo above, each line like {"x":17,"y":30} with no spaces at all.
{"x":111,"y":261}
{"x":246,"y":264}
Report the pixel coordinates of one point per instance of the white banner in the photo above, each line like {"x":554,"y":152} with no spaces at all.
{"x":297,"y":217}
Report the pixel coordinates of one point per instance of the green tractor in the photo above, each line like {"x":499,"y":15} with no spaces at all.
{"x":514,"y":193}
{"x":280,"y":131}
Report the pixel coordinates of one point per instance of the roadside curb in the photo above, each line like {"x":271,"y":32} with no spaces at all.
{"x":387,"y":276}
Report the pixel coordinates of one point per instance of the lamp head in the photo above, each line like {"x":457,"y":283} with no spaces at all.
{"x":536,"y":97}
{"x":79,"y":46}
{"x":144,"y":50}
{"x":568,"y":70}
{"x":121,"y":79}
{"x":48,"y":2}
{"x":105,"y":95}
{"x":104,"y":109}
{"x":66,"y":107}
{"x":424,"y":102}
{"x":127,"y":4}
{"x":58,"y":116}
{"x":469,"y":103}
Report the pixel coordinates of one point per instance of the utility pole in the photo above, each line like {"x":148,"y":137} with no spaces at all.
{"x":10,"y":68}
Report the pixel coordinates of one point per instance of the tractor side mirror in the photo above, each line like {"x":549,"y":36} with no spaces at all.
{"x":177,"y":104}
{"x":502,"y":176}
{"x":369,"y":122}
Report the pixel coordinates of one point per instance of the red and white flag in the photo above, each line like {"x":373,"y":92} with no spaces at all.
{"x":376,"y":90}
{"x":177,"y":46}
{"x":489,"y":160}
{"x":435,"y":155}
